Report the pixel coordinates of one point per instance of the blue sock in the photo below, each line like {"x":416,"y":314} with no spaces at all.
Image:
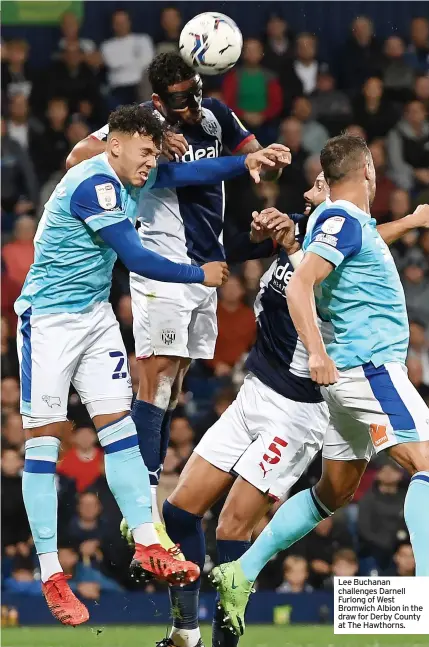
{"x":39,"y":491}
{"x":227,"y":551}
{"x":186,"y":530}
{"x":165,"y":434}
{"x":293,"y":520}
{"x":126,"y":473}
{"x":148,"y":421}
{"x":416,"y":512}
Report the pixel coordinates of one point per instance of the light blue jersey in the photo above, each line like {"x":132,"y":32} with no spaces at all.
{"x":363,"y":297}
{"x":72,"y":267}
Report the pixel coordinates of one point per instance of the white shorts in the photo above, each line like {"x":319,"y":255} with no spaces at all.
{"x":85,"y":349}
{"x":173,"y":318}
{"x":265,"y":438}
{"x":372,"y":409}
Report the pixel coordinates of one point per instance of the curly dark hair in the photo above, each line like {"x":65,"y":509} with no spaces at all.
{"x":137,"y":119}
{"x":342,"y":155}
{"x":168,"y":69}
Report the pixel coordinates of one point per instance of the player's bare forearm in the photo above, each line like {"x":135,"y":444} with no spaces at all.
{"x":251,"y":147}
{"x":85,"y":149}
{"x":391,"y":231}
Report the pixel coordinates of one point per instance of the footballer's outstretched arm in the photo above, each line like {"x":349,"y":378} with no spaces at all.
{"x":84,"y":150}
{"x":391,"y":231}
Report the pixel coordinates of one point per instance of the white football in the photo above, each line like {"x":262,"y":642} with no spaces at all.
{"x":211,"y":42}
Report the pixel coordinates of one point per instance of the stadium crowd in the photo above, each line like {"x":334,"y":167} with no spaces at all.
{"x":283,"y":92}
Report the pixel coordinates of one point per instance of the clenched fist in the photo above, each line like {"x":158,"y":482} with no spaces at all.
{"x":216,"y":274}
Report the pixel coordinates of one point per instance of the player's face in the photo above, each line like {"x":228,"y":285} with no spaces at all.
{"x":137,"y":156}
{"x":181,"y":103}
{"x":317,"y":194}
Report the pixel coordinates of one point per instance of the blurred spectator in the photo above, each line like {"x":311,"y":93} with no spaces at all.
{"x":398,"y":75}
{"x":10,"y":394}
{"x":404,"y":564}
{"x":16,"y":76}
{"x":85,"y":579}
{"x":15,"y":528}
{"x":252,"y":272}
{"x":416,"y":284}
{"x":124,"y":314}
{"x":53,"y":139}
{"x":277,"y":44}
{"x":237,"y":327}
{"x":361,"y":54}
{"x":21,"y":126}
{"x":418,"y":51}
{"x":251,"y":90}
{"x":18,"y":179}
{"x":356,"y":131}
{"x":9,"y":360}
{"x":381,"y":515}
{"x":314,"y":135}
{"x":182,"y":438}
{"x":419,"y":347}
{"x":21,"y":580}
{"x":373,"y":111}
{"x":399,"y":204}
{"x":70,"y":36}
{"x":312,"y":168}
{"x":295,"y":576}
{"x":171,"y":25}
{"x":18,"y":255}
{"x":86,"y":531}
{"x":76,"y":131}
{"x":415,"y":374}
{"x":73,"y":79}
{"x":293,"y":175}
{"x":222,"y":401}
{"x":421,"y":90}
{"x":385,"y":187}
{"x":169,"y":476}
{"x":306,"y":66}
{"x":344,"y":564}
{"x":408,"y":148}
{"x":83,"y":461}
{"x":330,"y":106}
{"x":126,"y":56}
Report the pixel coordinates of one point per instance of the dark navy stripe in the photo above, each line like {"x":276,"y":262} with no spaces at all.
{"x":119,"y":445}
{"x":389,"y":398}
{"x":26,"y":356}
{"x":320,"y":510}
{"x":109,"y":424}
{"x":39,"y":467}
{"x":420,"y":477}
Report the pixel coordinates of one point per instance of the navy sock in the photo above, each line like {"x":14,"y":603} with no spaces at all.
{"x":227,"y":551}
{"x":148,"y":420}
{"x":165,"y":434}
{"x":185,"y":529}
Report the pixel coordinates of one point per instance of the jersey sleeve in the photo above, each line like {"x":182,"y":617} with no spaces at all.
{"x":97,"y":201}
{"x":234,"y":134}
{"x":336,"y":235}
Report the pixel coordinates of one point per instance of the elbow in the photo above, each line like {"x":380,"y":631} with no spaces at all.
{"x":72,"y":159}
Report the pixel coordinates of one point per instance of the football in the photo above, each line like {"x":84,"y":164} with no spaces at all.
{"x":211,"y":42}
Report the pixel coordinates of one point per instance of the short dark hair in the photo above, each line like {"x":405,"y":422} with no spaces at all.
{"x":137,"y":119}
{"x":168,"y":69}
{"x":342,"y":155}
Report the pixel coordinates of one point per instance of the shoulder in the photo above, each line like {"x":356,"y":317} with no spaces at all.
{"x":333,"y":219}
{"x":100,"y":187}
{"x":218,"y":108}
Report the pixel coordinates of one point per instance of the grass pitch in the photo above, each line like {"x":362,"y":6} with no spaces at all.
{"x":147,"y":636}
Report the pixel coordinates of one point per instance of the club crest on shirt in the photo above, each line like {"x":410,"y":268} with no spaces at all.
{"x":211,"y":126}
{"x":106,"y":195}
{"x":168,"y":335}
{"x":333,"y":225}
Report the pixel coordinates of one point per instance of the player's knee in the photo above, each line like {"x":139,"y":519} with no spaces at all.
{"x":414,"y":457}
{"x":233,"y":525}
{"x":156,"y":378}
{"x":335,"y":497}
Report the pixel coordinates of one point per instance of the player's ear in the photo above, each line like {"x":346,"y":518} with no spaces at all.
{"x":157,"y":102}
{"x":115,"y":146}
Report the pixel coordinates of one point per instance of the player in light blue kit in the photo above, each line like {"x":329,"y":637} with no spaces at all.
{"x":68,"y":333}
{"x":349,"y":274}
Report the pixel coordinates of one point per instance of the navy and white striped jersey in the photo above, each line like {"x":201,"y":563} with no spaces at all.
{"x":278,"y":357}
{"x":186,"y":224}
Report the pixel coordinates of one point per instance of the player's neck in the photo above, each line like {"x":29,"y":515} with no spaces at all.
{"x":351,"y":194}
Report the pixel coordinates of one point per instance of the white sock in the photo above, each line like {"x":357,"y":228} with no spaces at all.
{"x":49,"y":564}
{"x":156,"y":517}
{"x":145,"y":534}
{"x":185,"y":637}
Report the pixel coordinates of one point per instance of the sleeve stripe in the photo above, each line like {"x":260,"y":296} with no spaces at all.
{"x":247,"y":139}
{"x":99,"y":215}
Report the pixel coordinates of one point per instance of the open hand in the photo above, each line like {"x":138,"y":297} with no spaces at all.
{"x":174,"y":144}
{"x":273,"y":157}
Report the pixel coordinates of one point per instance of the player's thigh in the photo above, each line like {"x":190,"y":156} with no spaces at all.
{"x":102,"y":377}
{"x":161,"y":317}
{"x":339,"y":481}
{"x":287,"y":436}
{"x":200,"y":485}
{"x":376,"y":407}
{"x":203,"y":325}
{"x":49,"y":347}
{"x":228,"y":439}
{"x":244,"y":508}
